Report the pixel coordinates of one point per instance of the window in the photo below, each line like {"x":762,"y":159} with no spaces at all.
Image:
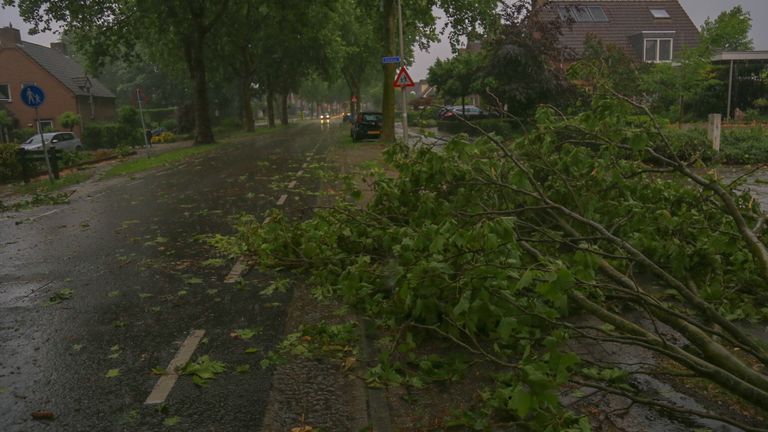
{"x":45,"y":125}
{"x":5,"y":92}
{"x":658,"y":50}
{"x":660,"y":13}
{"x":583,"y":13}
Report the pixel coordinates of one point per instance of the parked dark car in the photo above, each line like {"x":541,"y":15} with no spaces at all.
{"x":367,"y":125}
{"x":468,"y":112}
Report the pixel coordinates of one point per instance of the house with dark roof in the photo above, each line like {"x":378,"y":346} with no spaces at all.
{"x":67,"y":86}
{"x":646,"y":30}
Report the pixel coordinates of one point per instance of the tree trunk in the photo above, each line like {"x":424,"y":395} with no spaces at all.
{"x":194,"y":56}
{"x":388,"y":96}
{"x":271,"y":107}
{"x":284,"y":110}
{"x":245,"y":92}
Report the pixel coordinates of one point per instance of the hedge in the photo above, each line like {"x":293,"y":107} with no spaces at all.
{"x":110,"y":135}
{"x":10,"y":168}
{"x":502,"y":127}
{"x":737,"y":146}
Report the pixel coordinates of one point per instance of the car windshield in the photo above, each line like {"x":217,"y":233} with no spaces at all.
{"x":36,"y":140}
{"x":372,"y":117}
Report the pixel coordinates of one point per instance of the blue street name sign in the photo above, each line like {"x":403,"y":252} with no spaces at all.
{"x":32,"y":96}
{"x":388,"y":60}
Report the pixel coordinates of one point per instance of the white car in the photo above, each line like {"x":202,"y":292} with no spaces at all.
{"x":66,"y":141}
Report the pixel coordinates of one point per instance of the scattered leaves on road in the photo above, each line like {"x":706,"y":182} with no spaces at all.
{"x":42,"y":415}
{"x":159,"y":371}
{"x":112,"y":373}
{"x":114,"y":293}
{"x":171,"y":421}
{"x":203,"y":370}
{"x":252,"y":350}
{"x":243,"y":368}
{"x":246,"y":333}
{"x":61,"y":295}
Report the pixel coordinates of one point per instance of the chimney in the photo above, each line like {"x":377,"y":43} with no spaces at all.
{"x":9,"y":37}
{"x":60,"y":47}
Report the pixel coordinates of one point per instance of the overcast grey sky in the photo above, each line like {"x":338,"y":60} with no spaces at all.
{"x":698,"y":10}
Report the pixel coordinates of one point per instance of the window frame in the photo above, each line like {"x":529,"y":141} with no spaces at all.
{"x":10,"y":96}
{"x":41,"y":122}
{"x":658,"y":41}
{"x":660,"y":13}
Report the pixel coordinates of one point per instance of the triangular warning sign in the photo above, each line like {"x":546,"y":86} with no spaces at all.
{"x":404,"y":79}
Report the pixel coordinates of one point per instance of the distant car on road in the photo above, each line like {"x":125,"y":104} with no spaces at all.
{"x":469,"y":112}
{"x":366,"y":125}
{"x":325,"y":118}
{"x":66,"y":141}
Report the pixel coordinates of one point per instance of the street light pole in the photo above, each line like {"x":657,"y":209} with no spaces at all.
{"x":402,"y":63}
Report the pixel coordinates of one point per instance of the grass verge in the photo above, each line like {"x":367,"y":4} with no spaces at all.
{"x":45,"y":186}
{"x":164,"y":159}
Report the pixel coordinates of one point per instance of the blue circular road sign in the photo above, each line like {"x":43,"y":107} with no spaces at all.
{"x":32,"y":96}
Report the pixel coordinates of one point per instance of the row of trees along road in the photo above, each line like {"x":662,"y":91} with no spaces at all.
{"x":267,"y":47}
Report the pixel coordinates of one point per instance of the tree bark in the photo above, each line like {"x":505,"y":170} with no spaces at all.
{"x":195,"y":59}
{"x":271,"y":107}
{"x":284,"y":110}
{"x":245,"y":92}
{"x":388,"y":96}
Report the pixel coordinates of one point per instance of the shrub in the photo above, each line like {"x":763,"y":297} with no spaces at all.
{"x":744,"y":146}
{"x":163,"y":138}
{"x":110,"y":135}
{"x":504,"y":128}
{"x":9,"y":165}
{"x":69,"y":120}
{"x":128,"y":116}
{"x":20,"y":135}
{"x":169,"y":124}
{"x":687,"y":145}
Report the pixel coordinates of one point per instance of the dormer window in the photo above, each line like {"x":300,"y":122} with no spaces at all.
{"x":658,"y":50}
{"x":660,"y":13}
{"x":582,"y":13}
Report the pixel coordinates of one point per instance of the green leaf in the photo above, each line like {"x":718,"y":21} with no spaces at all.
{"x":521,"y":401}
{"x":112,"y":373}
{"x":171,"y":421}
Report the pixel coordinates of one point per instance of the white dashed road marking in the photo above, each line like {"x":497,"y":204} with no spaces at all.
{"x":165,"y":383}
{"x":292,"y":184}
{"x":282,"y":199}
{"x":237,"y":270}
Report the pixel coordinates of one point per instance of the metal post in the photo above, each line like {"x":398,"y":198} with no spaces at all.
{"x":45,"y":146}
{"x":730,"y":92}
{"x":402,"y":63}
{"x":143,"y":127}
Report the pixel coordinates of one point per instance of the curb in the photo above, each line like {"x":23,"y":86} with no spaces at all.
{"x":379,"y":417}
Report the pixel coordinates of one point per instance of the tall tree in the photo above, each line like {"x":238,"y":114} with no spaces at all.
{"x":169,"y":29}
{"x":729,"y":31}
{"x":457,"y":77}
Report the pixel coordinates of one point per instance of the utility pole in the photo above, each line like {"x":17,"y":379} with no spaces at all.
{"x":402,"y":63}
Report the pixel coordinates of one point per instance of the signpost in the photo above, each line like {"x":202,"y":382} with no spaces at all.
{"x":33,"y":96}
{"x":139,"y":97}
{"x":403,"y":73}
{"x":389,"y":60}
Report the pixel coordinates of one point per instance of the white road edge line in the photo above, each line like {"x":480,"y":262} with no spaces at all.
{"x":282,"y":199}
{"x":165,"y":383}
{"x":292,"y":184}
{"x":236,"y":272}
{"x":298,"y":174}
{"x":45,"y":214}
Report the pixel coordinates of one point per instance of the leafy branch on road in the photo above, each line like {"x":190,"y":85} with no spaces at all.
{"x":509,"y":250}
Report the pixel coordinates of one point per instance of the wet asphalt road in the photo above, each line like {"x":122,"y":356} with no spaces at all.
{"x":129,"y":250}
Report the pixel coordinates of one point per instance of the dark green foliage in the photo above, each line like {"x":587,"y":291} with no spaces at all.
{"x":745,"y":146}
{"x":504,"y":128}
{"x":21,"y":135}
{"x":110,"y":135}
{"x":10,"y":168}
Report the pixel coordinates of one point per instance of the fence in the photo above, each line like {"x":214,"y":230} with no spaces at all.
{"x":29,"y":159}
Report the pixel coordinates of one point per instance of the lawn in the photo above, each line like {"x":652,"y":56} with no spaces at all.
{"x":161,"y":160}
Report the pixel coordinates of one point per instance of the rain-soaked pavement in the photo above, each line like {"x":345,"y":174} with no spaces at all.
{"x":128,"y":249}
